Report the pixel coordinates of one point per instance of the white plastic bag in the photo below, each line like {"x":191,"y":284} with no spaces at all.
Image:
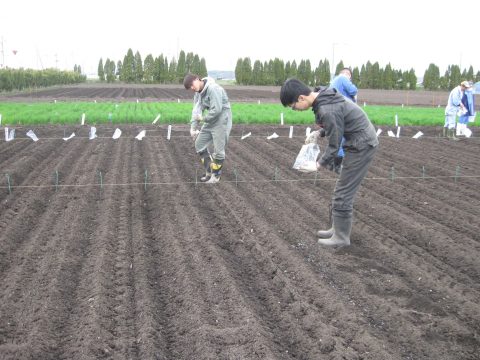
{"x":307,"y":158}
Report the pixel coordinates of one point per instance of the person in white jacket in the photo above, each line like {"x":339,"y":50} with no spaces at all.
{"x":454,"y":106}
{"x":215,"y":125}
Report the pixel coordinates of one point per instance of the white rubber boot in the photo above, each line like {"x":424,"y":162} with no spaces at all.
{"x":324,"y":234}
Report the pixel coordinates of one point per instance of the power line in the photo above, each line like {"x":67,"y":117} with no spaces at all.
{"x":233,"y":181}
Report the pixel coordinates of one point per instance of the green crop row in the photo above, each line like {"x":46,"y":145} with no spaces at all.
{"x":177,"y":113}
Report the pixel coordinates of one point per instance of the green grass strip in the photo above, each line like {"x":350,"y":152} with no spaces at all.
{"x":68,"y":113}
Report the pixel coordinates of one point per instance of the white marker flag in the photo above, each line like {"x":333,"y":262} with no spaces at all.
{"x":273,"y":136}
{"x":156,"y":119}
{"x":141,"y":135}
{"x":93,"y":133}
{"x":246,"y":135}
{"x":417,"y":135}
{"x":117,"y":133}
{"x":68,"y":138}
{"x":32,"y":135}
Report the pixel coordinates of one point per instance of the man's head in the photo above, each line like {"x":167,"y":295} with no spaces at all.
{"x":193,"y":82}
{"x":294,"y":93}
{"x":465,"y":85}
{"x":347,"y":72}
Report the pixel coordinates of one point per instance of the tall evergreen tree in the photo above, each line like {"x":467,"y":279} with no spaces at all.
{"x":294,"y":69}
{"x":194,"y":65}
{"x":239,"y":71}
{"x":127,"y":73}
{"x":412,"y":80}
{"x":203,"y":72}
{"x":469,"y":76}
{"x":257,"y":73}
{"x":149,"y":69}
{"x":279,"y":71}
{"x":247,"y":71}
{"x":119,"y":68}
{"x":454,"y":78}
{"x":190,"y":65}
{"x":356,"y":76}
{"x":431,"y":78}
{"x":138,"y":68}
{"x":181,"y":67}
{"x":388,"y":78}
{"x":339,"y":67}
{"x":100,"y":71}
{"x":172,"y":71}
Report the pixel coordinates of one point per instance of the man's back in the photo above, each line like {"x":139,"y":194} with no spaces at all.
{"x":344,"y":86}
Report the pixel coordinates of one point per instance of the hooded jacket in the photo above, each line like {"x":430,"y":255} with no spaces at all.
{"x":212,"y":98}
{"x":340,"y":117}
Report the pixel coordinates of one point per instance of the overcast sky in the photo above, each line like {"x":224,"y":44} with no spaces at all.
{"x":407,"y":33}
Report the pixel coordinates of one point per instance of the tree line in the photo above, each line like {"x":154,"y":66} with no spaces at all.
{"x":21,"y":79}
{"x":369,"y":76}
{"x":152,"y":70}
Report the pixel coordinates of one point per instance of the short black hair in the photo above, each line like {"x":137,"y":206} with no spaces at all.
{"x":347,"y":69}
{"x":291,"y":89}
{"x":189,"y":79}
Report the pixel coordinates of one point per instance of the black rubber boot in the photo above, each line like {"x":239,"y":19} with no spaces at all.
{"x":451,"y":134}
{"x":342,"y":227}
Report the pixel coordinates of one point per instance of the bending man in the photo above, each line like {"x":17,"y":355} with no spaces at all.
{"x":339,"y":117}
{"x":216,"y":127}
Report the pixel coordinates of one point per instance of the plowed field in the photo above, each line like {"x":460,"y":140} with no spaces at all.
{"x":126,"y":256}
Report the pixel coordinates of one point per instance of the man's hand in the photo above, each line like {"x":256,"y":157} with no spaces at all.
{"x":314,"y":135}
{"x":194,"y":133}
{"x":337,"y":164}
{"x":198,"y":117}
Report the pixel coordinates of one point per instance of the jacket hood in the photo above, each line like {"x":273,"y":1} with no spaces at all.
{"x":207,"y":82}
{"x":326,"y":96}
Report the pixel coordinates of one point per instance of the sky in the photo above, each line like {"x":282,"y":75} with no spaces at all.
{"x":407,"y":34}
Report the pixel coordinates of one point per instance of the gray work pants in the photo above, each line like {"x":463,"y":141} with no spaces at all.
{"x":215,"y":134}
{"x":355,"y":167}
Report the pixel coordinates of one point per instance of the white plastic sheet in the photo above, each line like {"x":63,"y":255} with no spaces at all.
{"x":306,"y":160}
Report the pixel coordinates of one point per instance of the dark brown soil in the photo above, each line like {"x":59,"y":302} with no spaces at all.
{"x":146,"y":263}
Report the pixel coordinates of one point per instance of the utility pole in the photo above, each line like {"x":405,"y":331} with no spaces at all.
{"x":2,"y":65}
{"x":332,"y":74}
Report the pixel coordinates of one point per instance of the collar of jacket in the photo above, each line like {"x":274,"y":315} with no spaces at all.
{"x":326,"y":96}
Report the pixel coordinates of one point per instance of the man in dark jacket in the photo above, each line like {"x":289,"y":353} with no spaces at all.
{"x":338,"y":117}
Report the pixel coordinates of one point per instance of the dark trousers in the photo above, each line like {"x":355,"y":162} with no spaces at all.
{"x":355,"y":167}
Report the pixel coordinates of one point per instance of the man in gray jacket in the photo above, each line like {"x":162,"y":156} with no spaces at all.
{"x":338,"y":117}
{"x":216,"y":127}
